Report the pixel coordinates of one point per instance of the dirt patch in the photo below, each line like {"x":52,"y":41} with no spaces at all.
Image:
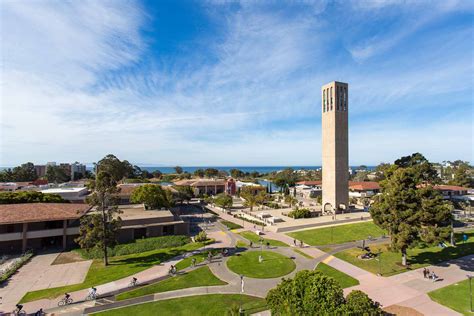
{"x":402,"y":311}
{"x":68,"y":257}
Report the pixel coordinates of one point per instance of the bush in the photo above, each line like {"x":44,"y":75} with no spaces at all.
{"x":4,"y":275}
{"x":201,"y":237}
{"x":249,"y":220}
{"x":300,"y":213}
{"x":273,"y":205}
{"x":138,"y":246}
{"x":231,"y":225}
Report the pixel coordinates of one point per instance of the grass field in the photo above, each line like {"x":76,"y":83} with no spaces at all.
{"x":251,"y":236}
{"x":199,"y":277}
{"x":454,"y":296}
{"x":304,"y":254}
{"x":274,"y":264}
{"x":118,"y":268}
{"x":213,"y":304}
{"x":417,"y":257}
{"x":337,"y":234}
{"x":231,"y":225}
{"x":343,"y":279}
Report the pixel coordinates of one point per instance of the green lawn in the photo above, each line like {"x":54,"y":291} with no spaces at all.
{"x":200,"y":257}
{"x":338,"y":234}
{"x":231,"y":225}
{"x":343,"y":279}
{"x":273,"y":265}
{"x":212,"y":304}
{"x":454,"y":296}
{"x":199,"y":277}
{"x":118,"y":268}
{"x":251,"y":236}
{"x":417,"y":257}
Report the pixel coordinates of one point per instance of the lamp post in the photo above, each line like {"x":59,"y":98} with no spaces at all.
{"x":470,"y":277}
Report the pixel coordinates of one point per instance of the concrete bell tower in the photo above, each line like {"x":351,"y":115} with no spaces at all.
{"x":335,"y":149}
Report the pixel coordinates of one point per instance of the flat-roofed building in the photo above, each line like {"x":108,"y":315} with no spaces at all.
{"x":137,"y":223}
{"x":207,"y":186}
{"x":39,"y":225}
{"x":69,"y":194}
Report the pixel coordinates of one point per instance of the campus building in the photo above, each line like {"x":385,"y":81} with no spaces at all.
{"x":55,"y":225}
{"x":335,"y":152}
{"x":209,"y":186}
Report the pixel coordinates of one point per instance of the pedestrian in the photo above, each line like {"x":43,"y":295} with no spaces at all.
{"x":428,"y":273}
{"x":193,"y":262}
{"x":294,"y":242}
{"x":251,"y":244}
{"x":260,"y":259}
{"x":301,"y":243}
{"x":209,"y":257}
{"x":268,"y":244}
{"x":424,"y":273}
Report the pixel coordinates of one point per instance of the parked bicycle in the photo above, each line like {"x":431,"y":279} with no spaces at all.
{"x":66,"y":300}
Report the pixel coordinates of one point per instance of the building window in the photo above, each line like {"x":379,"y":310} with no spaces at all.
{"x":331,"y":98}
{"x":345,"y":99}
{"x":324,"y":100}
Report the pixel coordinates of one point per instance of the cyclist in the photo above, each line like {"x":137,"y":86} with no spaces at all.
{"x":19,"y":307}
{"x":134,"y":281}
{"x":93,"y":293}
{"x":39,"y":312}
{"x":67,"y":296}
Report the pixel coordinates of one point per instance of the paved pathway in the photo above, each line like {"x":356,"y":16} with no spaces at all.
{"x":40,"y":274}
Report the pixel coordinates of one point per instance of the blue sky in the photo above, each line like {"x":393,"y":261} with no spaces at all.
{"x":233,"y":83}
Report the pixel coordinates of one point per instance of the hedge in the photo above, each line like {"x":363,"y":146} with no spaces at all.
{"x":11,"y":270}
{"x":138,"y":246}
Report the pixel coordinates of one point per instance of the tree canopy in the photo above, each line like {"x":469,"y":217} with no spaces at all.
{"x":313,"y":293}
{"x":29,"y":197}
{"x":57,"y":174}
{"x":223,"y":200}
{"x":152,"y":195}
{"x":285,"y":178}
{"x":118,"y":169}
{"x":184,"y":193}
{"x":24,"y":172}
{"x":409,"y":208}
{"x":178,"y":170}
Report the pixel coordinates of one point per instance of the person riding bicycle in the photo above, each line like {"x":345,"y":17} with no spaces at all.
{"x":134,"y":281}
{"x":19,"y":307}
{"x":93,"y":292}
{"x":39,"y":312}
{"x":67,"y":296}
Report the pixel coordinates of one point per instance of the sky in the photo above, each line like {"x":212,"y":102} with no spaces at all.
{"x":227,"y":83}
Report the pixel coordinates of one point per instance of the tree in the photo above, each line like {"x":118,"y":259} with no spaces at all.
{"x":117,"y":169}
{"x":291,"y":200}
{"x":25,"y":172}
{"x":380,"y":171}
{"x":29,"y":197}
{"x":250,"y":198}
{"x":157,"y":174}
{"x":57,"y":174}
{"x":285,"y":178}
{"x":100,"y":229}
{"x":462,"y":175}
{"x":199,"y":173}
{"x":236,"y":173}
{"x":146,"y":174}
{"x":185,"y":193}
{"x":358,"y":303}
{"x":152,"y":195}
{"x":361,"y":176}
{"x":308,"y":293}
{"x":178,"y":170}
{"x":211,"y":172}
{"x":410,"y":209}
{"x":423,"y":168}
{"x":223,"y":200}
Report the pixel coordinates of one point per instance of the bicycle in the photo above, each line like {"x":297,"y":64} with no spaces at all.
{"x":133,"y":283}
{"x":65,"y":301}
{"x":18,"y":311}
{"x":91,"y":296}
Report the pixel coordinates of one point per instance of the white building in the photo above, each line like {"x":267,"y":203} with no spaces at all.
{"x":69,"y":194}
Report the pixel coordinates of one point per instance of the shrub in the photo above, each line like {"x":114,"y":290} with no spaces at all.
{"x":300,"y":213}
{"x":231,"y":225}
{"x":201,"y":237}
{"x":138,"y":246}
{"x":29,"y":197}
{"x":249,"y":220}
{"x":4,"y":275}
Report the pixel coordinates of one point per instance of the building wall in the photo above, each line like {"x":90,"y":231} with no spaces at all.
{"x":335,"y":152}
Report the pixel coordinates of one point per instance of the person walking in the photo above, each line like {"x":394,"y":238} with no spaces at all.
{"x":193,"y":262}
{"x":294,"y":242}
{"x":301,"y":244}
{"x":251,"y":244}
{"x":424,"y":273}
